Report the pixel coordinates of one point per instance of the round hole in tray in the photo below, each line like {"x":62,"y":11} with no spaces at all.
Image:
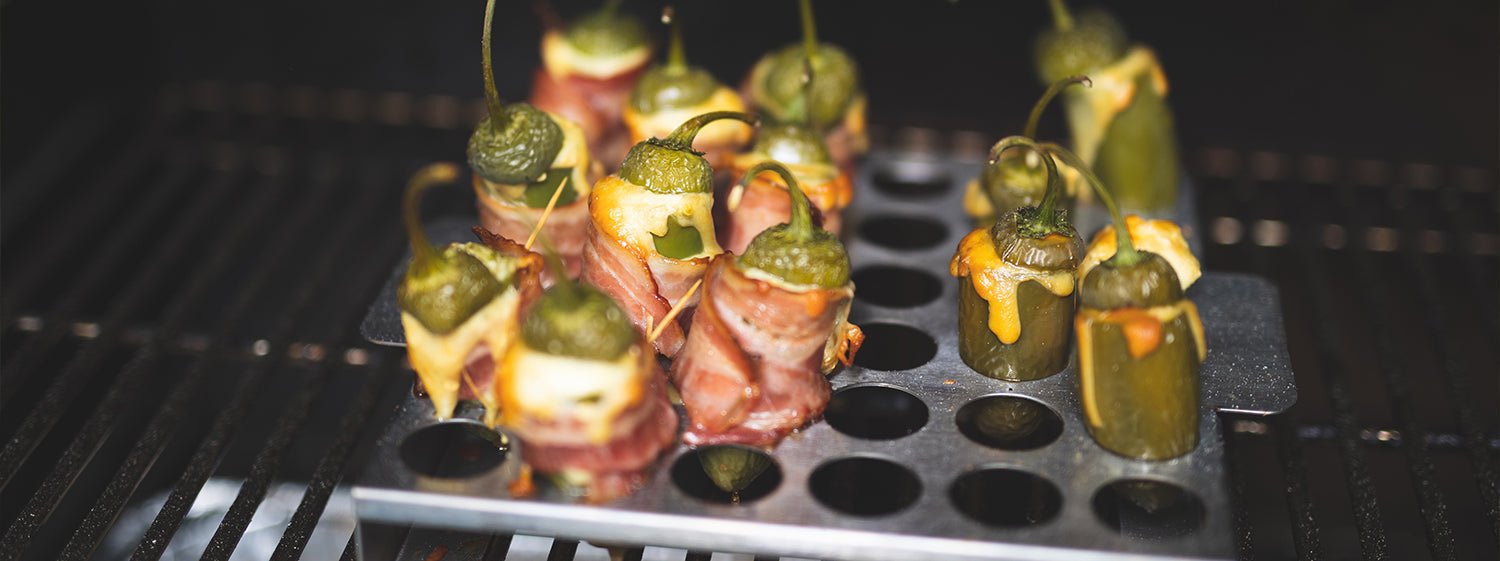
{"x":895,"y":287}
{"x":759,"y":474}
{"x":1005,"y":497}
{"x":875,"y":412}
{"x":864,"y":486}
{"x":1009,"y":422}
{"x":900,"y":232}
{"x":912,"y":179}
{"x":1147,"y":509}
{"x":453,"y":449}
{"x":892,"y":346}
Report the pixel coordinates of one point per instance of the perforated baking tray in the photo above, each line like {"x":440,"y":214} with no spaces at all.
{"x":908,"y":462}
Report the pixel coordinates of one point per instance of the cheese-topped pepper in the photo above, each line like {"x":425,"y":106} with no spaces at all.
{"x":1140,"y":343}
{"x":1017,"y":178}
{"x":675,"y":91}
{"x":1016,"y":285}
{"x":1122,"y":126}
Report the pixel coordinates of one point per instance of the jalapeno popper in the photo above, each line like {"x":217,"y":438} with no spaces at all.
{"x":1140,"y":343}
{"x":1016,"y":285}
{"x":588,"y":70}
{"x":1122,"y":126}
{"x":673,"y":92}
{"x":583,"y":391}
{"x":521,"y":157}
{"x":1018,"y":178}
{"x":651,"y":236}
{"x":771,"y":325}
{"x":763,"y":202}
{"x":836,"y":103}
{"x":459,"y":306}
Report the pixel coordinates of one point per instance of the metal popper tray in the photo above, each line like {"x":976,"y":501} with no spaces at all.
{"x":917,"y":457}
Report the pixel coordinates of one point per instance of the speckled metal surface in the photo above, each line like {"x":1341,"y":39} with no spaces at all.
{"x":1051,"y":500}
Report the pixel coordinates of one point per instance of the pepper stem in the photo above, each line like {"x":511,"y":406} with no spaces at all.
{"x":1125,"y":253}
{"x":1052,"y":91}
{"x":425,"y":257}
{"x":801,"y":225}
{"x":809,"y":31}
{"x":682,"y":138}
{"x":1046,"y":220}
{"x":676,"y":58}
{"x":491,"y":96}
{"x":1060,"y":16}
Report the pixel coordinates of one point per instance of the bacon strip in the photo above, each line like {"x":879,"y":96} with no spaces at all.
{"x":596,"y":105}
{"x":611,"y":266}
{"x":765,"y":203}
{"x":564,"y":231}
{"x":752,"y":369}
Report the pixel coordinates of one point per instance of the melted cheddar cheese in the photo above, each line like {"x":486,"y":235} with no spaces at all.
{"x":632,"y":214}
{"x":1092,"y":110}
{"x":1083,"y":328}
{"x":723,"y":132}
{"x":439,"y":358}
{"x":561,"y":58}
{"x":825,"y":187}
{"x":591,"y":394}
{"x":997,"y":282}
{"x":1161,"y":237}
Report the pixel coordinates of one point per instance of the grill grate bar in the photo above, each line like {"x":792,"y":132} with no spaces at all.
{"x":1244,"y":530}
{"x":499,"y":546}
{"x":72,"y":380}
{"x":1306,"y":539}
{"x":1361,"y":487}
{"x":1414,"y":447}
{"x":268,"y":461}
{"x":206,"y":457}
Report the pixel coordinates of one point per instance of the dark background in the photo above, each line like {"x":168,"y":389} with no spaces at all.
{"x":1406,"y":81}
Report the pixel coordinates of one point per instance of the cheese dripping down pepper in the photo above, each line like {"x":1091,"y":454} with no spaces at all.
{"x":1140,"y":343}
{"x":1016,"y":284}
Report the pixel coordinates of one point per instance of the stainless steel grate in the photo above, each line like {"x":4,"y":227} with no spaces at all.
{"x":180,"y":291}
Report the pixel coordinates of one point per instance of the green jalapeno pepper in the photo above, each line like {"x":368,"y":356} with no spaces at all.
{"x":516,"y":143}
{"x":1024,"y":264}
{"x":1017,"y":178}
{"x":1136,"y":151}
{"x":1139,"y":345}
{"x":796,"y":252}
{"x":676,"y":84}
{"x":792,"y":143}
{"x":577,"y":320}
{"x":781,"y":75}
{"x":441,"y":289}
{"x":671,"y":166}
{"x":606,"y":31}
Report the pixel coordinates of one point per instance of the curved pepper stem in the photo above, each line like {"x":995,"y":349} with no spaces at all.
{"x":682,"y":137}
{"x":492,"y":101}
{"x":800,"y":226}
{"x":676,"y":56}
{"x":1052,"y":91}
{"x":809,"y":31}
{"x":426,"y":258}
{"x":1061,"y":18}
{"x":1045,"y":221}
{"x":1125,"y":253}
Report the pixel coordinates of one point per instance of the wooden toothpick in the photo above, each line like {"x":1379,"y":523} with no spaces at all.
{"x":672,"y":314}
{"x":546,"y":212}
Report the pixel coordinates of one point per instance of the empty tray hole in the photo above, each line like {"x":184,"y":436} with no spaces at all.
{"x":875,"y":412}
{"x":898,"y":232}
{"x":1005,"y":497}
{"x":1009,"y":422}
{"x":912,"y":179}
{"x":743,"y":474}
{"x":1148,"y":510}
{"x":453,"y":449}
{"x":864,"y":486}
{"x":895,"y":287}
{"x":892,"y":346}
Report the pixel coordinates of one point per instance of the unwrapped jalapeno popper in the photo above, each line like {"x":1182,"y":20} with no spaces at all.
{"x":836,"y":104}
{"x":651,"y":235}
{"x":583,"y":391}
{"x":771,"y":325}
{"x":673,"y":92}
{"x":1017,"y":178}
{"x":459,"y":305}
{"x":1016,"y":284}
{"x":1122,"y":126}
{"x":523,"y":158}
{"x":1140,"y":341}
{"x":589,"y":67}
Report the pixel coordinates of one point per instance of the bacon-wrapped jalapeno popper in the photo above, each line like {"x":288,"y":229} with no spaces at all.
{"x":763,"y":202}
{"x":771,"y":325}
{"x":583,"y":391}
{"x":651,"y":236}
{"x":459,"y":306}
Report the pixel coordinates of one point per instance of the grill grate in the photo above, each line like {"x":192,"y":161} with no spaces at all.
{"x":186,"y":311}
